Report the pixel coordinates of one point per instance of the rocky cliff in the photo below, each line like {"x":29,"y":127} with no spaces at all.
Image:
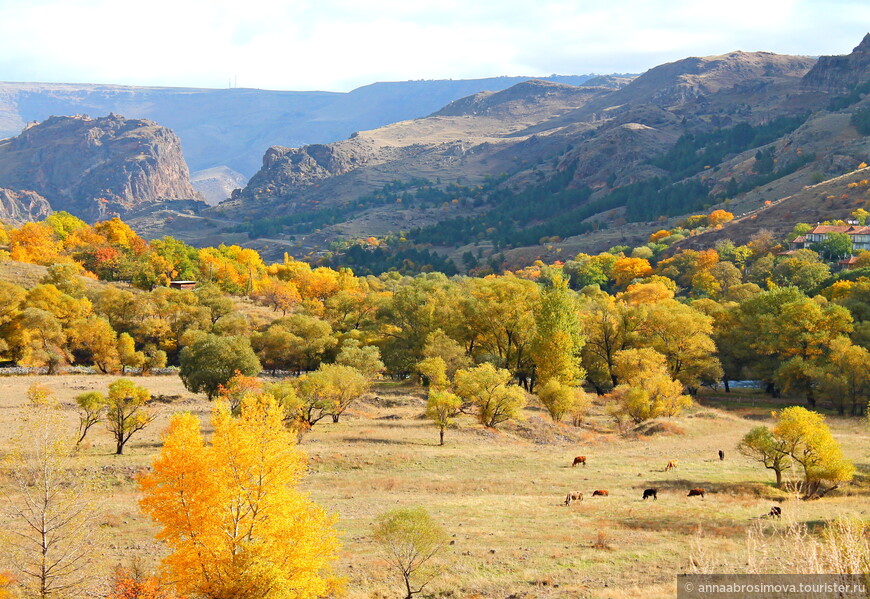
{"x":96,"y":168}
{"x":18,"y":207}
{"x":839,"y":74}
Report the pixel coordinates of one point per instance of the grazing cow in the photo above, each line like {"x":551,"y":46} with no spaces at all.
{"x":775,"y":512}
{"x":696,"y":492}
{"x":721,"y":455}
{"x":672,"y":465}
{"x":654,"y":493}
{"x":600,"y":493}
{"x":573,"y":497}
{"x":580,"y":459}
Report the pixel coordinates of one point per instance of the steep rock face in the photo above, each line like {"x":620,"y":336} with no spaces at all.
{"x":18,"y":207}
{"x":287,"y":168}
{"x":96,"y":168}
{"x":840,"y":74}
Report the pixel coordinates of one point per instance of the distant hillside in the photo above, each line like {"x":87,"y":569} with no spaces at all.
{"x":548,"y":165}
{"x":233,"y":127}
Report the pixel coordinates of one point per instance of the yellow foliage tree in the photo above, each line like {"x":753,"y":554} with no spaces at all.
{"x":809,"y":442}
{"x":625,"y":270}
{"x":489,"y":389}
{"x":127,"y":411}
{"x":231,"y":512}
{"x":718,"y":217}
{"x":648,"y":390}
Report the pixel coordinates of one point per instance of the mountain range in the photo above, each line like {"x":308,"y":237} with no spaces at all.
{"x":230,"y":128}
{"x":528,"y":169}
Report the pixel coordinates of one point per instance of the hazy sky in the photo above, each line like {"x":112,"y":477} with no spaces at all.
{"x":337,"y":45}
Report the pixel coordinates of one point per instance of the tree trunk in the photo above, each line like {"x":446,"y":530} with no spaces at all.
{"x":119,"y":448}
{"x":727,"y":386}
{"x":335,"y":417}
{"x":778,"y":478}
{"x":442,"y":436}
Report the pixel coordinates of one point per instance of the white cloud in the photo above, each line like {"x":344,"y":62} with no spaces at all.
{"x":340,"y":44}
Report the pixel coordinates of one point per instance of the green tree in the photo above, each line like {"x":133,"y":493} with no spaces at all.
{"x":440,"y":345}
{"x":410,"y":541}
{"x":802,"y":269}
{"x":212,"y":361}
{"x":835,"y":247}
{"x":499,"y":313}
{"x":771,"y":328}
{"x":844,"y":379}
{"x":214,"y":300}
{"x":364,"y":358}
{"x":66,"y":278}
{"x":558,"y":337}
{"x":330,"y":390}
{"x":488,"y":388}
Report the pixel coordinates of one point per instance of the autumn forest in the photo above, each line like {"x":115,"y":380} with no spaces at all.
{"x":608,"y":342}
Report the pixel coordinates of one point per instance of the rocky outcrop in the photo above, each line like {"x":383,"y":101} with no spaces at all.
{"x":18,"y":207}
{"x":676,"y":83}
{"x":839,"y":74}
{"x":285,"y":169}
{"x":96,"y":168}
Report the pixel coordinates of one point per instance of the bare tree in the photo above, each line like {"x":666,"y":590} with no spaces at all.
{"x":49,"y":518}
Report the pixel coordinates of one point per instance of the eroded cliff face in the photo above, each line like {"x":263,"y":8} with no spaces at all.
{"x":96,"y":168}
{"x":839,"y":74}
{"x":18,"y":207}
{"x":285,"y":169}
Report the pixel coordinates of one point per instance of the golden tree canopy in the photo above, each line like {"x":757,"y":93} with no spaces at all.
{"x":237,"y":525}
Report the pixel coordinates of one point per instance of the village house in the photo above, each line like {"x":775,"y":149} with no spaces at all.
{"x":860,"y":236}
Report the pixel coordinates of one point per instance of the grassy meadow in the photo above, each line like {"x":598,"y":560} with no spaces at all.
{"x":498,"y":493}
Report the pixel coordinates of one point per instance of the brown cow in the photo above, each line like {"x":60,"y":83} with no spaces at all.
{"x":580,"y":459}
{"x":696,"y":492}
{"x":573,"y":497}
{"x":600,"y":493}
{"x":672,"y":465}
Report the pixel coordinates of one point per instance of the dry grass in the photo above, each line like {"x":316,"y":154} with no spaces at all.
{"x":499,"y":494}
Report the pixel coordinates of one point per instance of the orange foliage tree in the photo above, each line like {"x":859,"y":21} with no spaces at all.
{"x":35,"y":243}
{"x":128,"y":584}
{"x":236,"y":523}
{"x":627,"y":269}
